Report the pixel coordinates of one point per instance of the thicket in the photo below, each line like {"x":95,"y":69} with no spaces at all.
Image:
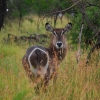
{"x":85,"y":11}
{"x":90,"y":15}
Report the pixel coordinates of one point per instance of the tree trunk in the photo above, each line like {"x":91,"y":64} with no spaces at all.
{"x":3,"y":7}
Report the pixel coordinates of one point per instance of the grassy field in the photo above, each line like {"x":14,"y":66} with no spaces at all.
{"x":74,"y":82}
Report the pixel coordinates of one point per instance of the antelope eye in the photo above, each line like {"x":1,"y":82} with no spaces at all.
{"x":54,"y":33}
{"x":62,"y":32}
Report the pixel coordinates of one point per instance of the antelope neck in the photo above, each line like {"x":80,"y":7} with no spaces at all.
{"x":59,"y":53}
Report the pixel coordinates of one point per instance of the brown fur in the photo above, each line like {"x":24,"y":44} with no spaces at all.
{"x":39,"y":59}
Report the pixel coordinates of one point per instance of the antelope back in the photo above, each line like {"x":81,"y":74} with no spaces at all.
{"x":58,"y":38}
{"x":38,"y":60}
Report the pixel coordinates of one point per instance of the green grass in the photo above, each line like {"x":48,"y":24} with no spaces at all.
{"x":74,"y":82}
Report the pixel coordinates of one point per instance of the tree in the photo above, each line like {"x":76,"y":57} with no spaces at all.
{"x":89,"y":13}
{"x":20,"y":8}
{"x":3,"y":8}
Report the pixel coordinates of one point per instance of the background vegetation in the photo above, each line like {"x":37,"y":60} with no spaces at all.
{"x":75,"y":81}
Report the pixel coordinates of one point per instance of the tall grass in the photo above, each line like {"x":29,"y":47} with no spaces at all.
{"x":74,"y":82}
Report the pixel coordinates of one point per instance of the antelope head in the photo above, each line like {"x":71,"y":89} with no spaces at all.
{"x":58,"y":38}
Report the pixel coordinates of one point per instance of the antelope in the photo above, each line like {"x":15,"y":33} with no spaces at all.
{"x":41,"y":63}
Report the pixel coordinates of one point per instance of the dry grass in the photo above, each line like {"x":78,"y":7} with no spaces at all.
{"x":74,"y":82}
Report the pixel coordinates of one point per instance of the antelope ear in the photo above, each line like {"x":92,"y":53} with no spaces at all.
{"x":48,"y":27}
{"x":68,"y":27}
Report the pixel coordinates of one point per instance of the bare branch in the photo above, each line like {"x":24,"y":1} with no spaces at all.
{"x":78,"y":55}
{"x":97,"y":45}
{"x":90,"y":4}
{"x":62,"y":10}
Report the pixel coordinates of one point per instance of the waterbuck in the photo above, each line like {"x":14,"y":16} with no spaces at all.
{"x":41,"y":63}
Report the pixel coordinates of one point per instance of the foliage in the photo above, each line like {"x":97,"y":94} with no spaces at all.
{"x":38,"y":7}
{"x":93,"y":14}
{"x":20,"y":8}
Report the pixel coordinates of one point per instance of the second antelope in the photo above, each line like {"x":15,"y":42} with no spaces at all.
{"x":41,"y":63}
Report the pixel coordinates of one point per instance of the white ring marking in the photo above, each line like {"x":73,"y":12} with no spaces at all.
{"x":32,"y":68}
